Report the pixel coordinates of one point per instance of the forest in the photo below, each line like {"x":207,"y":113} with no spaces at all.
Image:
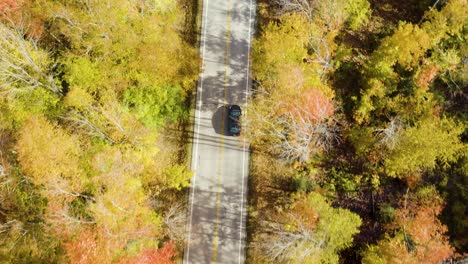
{"x":361,"y":107}
{"x":357,"y":125}
{"x":90,"y":96}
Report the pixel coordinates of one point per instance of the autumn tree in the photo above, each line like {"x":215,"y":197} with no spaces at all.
{"x":9,"y":7}
{"x":420,"y":236}
{"x":280,"y":46}
{"x":163,"y":255}
{"x":294,"y":57}
{"x":294,"y":129}
{"x":26,"y":85}
{"x":402,"y":51}
{"x":86,"y":100}
{"x":310,"y":232}
{"x":354,"y":13}
{"x":87,"y":247}
{"x":421,"y":146}
{"x":131,"y":214}
{"x":23,"y":64}
{"x":400,"y":86}
{"x":49,"y":155}
{"x":51,"y":158}
{"x":24,"y":236}
{"x":103,"y":39}
{"x":335,"y":14}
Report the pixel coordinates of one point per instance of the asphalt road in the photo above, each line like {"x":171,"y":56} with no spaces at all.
{"x":217,"y":213}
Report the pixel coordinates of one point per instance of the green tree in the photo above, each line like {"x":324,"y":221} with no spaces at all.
{"x":156,"y":105}
{"x":17,"y":108}
{"x":359,"y":12}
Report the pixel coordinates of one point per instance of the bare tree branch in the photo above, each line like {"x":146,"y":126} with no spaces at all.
{"x":389,"y":135}
{"x":322,"y":54}
{"x":305,"y":128}
{"x":297,"y":243}
{"x":305,"y":7}
{"x":175,"y":221}
{"x":89,"y":127}
{"x":20,"y":63}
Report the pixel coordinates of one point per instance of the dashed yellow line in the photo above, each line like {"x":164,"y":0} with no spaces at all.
{"x":218,"y":194}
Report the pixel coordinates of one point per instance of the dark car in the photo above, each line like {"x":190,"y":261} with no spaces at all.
{"x":234,"y":114}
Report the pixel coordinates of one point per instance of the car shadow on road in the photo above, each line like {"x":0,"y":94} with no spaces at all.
{"x":219,"y":121}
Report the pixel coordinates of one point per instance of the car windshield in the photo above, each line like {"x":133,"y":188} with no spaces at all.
{"x":235,"y":129}
{"x":235,"y":113}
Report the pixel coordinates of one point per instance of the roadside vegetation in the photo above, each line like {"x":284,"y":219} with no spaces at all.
{"x":92,"y":96}
{"x":358,"y":131}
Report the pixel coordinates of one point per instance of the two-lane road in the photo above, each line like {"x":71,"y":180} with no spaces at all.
{"x":216,"y":227}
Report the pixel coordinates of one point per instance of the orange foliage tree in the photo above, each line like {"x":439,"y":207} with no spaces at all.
{"x":295,"y":125}
{"x":307,"y":125}
{"x":84,"y":249}
{"x":426,"y":75}
{"x":17,"y":14}
{"x":90,"y":247}
{"x":10,"y":6}
{"x":419,"y":237}
{"x":423,"y":231}
{"x":313,"y":106}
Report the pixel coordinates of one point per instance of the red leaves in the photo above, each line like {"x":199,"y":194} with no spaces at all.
{"x":420,"y":220}
{"x":307,"y":214}
{"x":163,"y":255}
{"x":8,"y":6}
{"x":90,"y":247}
{"x":17,"y":12}
{"x":10,"y":10}
{"x":314,"y":106}
{"x":426,"y":75}
{"x":83,"y":249}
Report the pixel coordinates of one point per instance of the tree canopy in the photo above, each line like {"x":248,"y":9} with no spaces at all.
{"x":363,"y":102}
{"x":87,"y":91}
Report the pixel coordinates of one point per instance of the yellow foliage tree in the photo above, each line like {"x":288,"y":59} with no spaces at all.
{"x":49,"y":155}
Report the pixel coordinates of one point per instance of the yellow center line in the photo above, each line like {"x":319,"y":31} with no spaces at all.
{"x":218,"y":194}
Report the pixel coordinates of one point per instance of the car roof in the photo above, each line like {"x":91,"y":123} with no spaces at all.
{"x":234,"y":107}
{"x":235,"y":110}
